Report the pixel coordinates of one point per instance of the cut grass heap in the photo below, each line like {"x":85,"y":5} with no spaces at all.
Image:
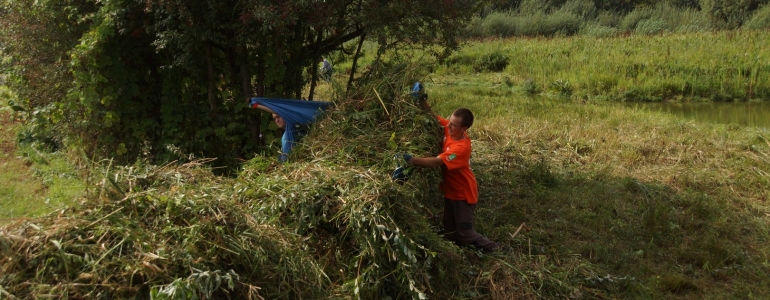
{"x":329,"y":224}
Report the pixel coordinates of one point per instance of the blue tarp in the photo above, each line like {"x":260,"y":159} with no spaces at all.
{"x":294,"y":113}
{"x":418,"y":92}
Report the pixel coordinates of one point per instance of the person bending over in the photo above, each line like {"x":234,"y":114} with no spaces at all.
{"x":289,"y":115}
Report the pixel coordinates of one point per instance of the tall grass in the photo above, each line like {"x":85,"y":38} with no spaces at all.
{"x":720,"y":66}
{"x":664,"y":18}
{"x":539,"y":18}
{"x":760,"y":19}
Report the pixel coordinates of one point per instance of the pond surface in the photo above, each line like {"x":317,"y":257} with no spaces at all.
{"x":751,"y":114}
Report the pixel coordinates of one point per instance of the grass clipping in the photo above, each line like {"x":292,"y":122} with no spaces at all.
{"x":329,"y":224}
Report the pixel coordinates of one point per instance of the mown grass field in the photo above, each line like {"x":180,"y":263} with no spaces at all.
{"x":618,"y":202}
{"x":679,"y":206}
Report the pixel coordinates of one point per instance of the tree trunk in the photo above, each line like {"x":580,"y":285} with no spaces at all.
{"x":252,"y":120}
{"x":211,"y":82}
{"x":314,"y":68}
{"x":355,"y":62}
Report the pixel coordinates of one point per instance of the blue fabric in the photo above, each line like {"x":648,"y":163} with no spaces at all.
{"x":294,"y":112}
{"x":417,"y":91}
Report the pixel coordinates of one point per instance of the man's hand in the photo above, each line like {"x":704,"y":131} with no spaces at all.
{"x":407,"y":157}
{"x":399,"y":175}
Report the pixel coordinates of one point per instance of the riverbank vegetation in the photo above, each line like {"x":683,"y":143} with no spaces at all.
{"x":531,"y":18}
{"x":725,"y":66}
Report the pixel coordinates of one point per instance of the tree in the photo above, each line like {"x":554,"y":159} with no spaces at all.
{"x":34,"y":39}
{"x":165,"y":78}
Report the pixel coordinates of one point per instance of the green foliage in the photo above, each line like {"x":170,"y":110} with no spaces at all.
{"x":586,"y":9}
{"x":561,"y":88}
{"x":39,"y":75}
{"x":760,"y":19}
{"x":557,"y":23}
{"x":605,"y":19}
{"x":672,"y":67}
{"x":533,"y":7}
{"x":534,"y":19}
{"x":492,"y":62}
{"x":168,"y":80}
{"x":497,"y":24}
{"x":665,"y":18}
{"x":729,"y":14}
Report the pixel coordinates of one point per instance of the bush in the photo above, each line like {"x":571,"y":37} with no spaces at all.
{"x":533,"y":7}
{"x":492,"y":62}
{"x":728,"y":14}
{"x":542,"y":24}
{"x":650,"y":26}
{"x":583,"y":8}
{"x":665,"y":18}
{"x":608,"y":19}
{"x":633,"y":18}
{"x":474,"y":28}
{"x":498,"y":24}
{"x":760,"y":19}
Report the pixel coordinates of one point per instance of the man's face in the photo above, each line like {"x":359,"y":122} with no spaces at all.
{"x":456,"y":130}
{"x":279,"y":121}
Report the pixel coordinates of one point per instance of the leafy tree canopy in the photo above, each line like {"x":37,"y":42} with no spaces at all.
{"x":162,"y":78}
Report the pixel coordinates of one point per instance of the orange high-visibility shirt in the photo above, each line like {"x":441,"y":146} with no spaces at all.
{"x":459,"y":182}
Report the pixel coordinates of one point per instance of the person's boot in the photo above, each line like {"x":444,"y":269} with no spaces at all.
{"x":487,"y":246}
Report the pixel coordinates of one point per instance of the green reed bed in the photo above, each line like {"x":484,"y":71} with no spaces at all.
{"x":718,"y":66}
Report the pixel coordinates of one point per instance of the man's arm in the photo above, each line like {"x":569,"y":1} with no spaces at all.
{"x":262,"y":107}
{"x":428,"y":162}
{"x":427,"y":107}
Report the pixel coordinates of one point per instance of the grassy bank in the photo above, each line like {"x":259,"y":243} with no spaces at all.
{"x":679,"y":206}
{"x":722,"y":66}
{"x":713,"y":66}
{"x":34,"y":182}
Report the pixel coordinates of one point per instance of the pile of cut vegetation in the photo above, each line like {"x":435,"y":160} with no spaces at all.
{"x":328,"y":224}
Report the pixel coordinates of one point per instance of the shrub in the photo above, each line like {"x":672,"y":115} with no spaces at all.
{"x":583,"y":8}
{"x":542,"y":24}
{"x":760,"y":19}
{"x":633,"y":18}
{"x":563,"y":22}
{"x":499,"y":24}
{"x":650,"y":26}
{"x":665,"y":17}
{"x":608,"y":19}
{"x":492,"y":62}
{"x":728,"y":14}
{"x":533,"y":7}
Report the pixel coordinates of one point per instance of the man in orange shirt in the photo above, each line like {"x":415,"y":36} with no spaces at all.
{"x":459,"y":184}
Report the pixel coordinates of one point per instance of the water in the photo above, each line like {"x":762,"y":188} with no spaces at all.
{"x":751,"y":114}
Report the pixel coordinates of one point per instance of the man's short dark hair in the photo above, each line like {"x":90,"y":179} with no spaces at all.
{"x":466,"y":115}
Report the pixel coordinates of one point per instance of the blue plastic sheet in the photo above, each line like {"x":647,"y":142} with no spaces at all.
{"x":294,"y":112}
